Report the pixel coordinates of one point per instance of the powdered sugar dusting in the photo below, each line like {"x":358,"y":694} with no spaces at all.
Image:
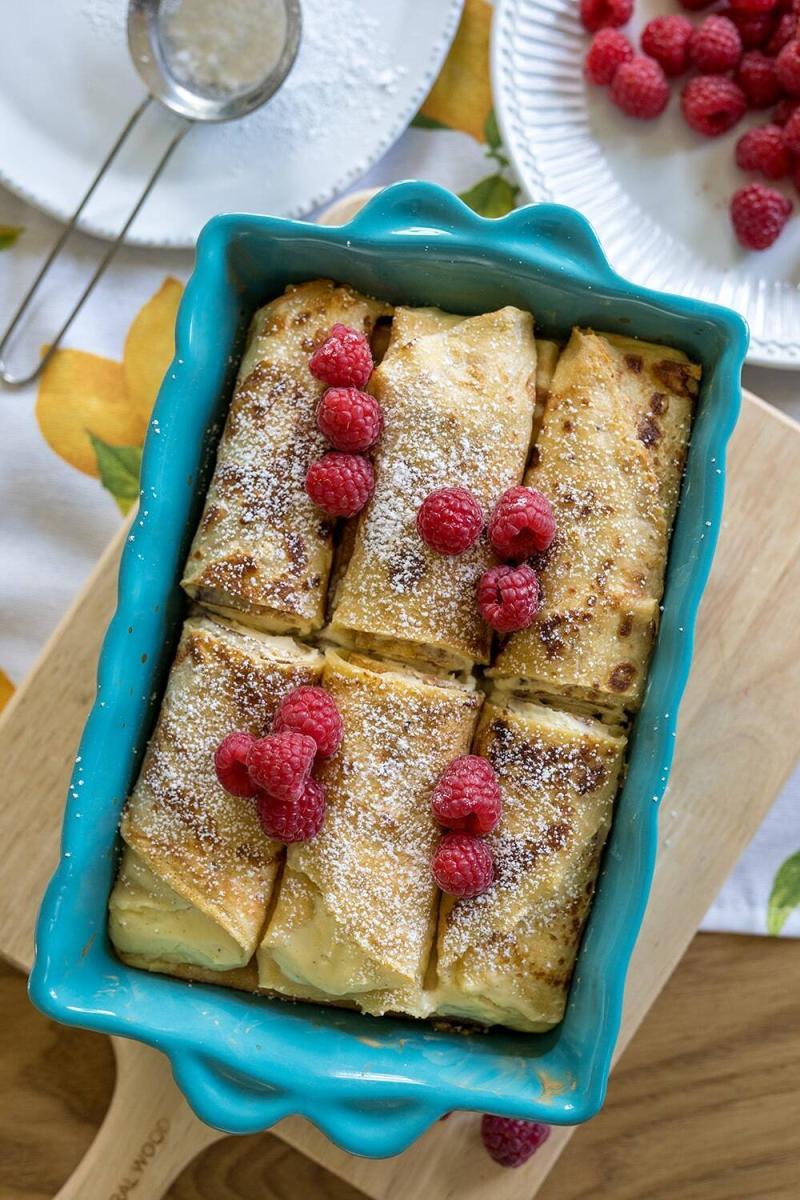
{"x":458,"y":407}
{"x":262,"y":544}
{"x":372,"y":858}
{"x":179,"y":819}
{"x":559,"y":776}
{"x":222,"y":46}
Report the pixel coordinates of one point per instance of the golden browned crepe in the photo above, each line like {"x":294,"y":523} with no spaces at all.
{"x":506,"y":957}
{"x":206,"y":846}
{"x":155,"y":929}
{"x":458,"y":407}
{"x":609,"y":457}
{"x":262,"y":552}
{"x":547,"y":353}
{"x":356,"y":909}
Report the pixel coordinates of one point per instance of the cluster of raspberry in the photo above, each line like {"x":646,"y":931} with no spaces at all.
{"x":747,"y":56}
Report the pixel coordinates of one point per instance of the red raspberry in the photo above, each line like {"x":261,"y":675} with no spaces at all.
{"x":600,"y":14}
{"x":350,"y":420}
{"x":787,"y":68}
{"x":521,"y":524}
{"x":463,"y":865}
{"x":759,"y":214}
{"x":450,"y":520}
{"x":783,"y":111}
{"x":757,"y":79}
{"x":508,"y":597}
{"x":230,"y":763}
{"x":696,"y":5}
{"x":712,"y":104}
{"x":511,"y":1142}
{"x":280,"y":763}
{"x":764,"y":150}
{"x":312,"y":711}
{"x":791,"y":133}
{"x":609,"y":49}
{"x":785,"y":32}
{"x":796,"y":176}
{"x":754,"y":28}
{"x":640,"y":88}
{"x":296,"y":820}
{"x":340,"y":484}
{"x":343,"y":360}
{"x":467,"y":797}
{"x":715,"y":47}
{"x":753,"y":6}
{"x":666,"y":39}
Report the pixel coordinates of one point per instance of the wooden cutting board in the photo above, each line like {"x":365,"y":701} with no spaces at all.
{"x":738,"y":739}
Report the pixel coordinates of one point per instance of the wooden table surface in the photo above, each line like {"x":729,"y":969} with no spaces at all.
{"x":704,"y":1105}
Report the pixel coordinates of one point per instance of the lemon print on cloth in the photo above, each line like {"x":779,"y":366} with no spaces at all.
{"x":9,"y":235}
{"x":94,"y":411}
{"x":83,"y":395}
{"x":461,"y":100}
{"x":149,"y":348}
{"x":6,"y":689}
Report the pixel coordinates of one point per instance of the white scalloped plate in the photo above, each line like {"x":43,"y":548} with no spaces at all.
{"x":67,"y":86}
{"x":656,"y":193}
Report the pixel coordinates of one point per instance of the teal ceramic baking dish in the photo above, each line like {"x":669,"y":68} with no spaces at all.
{"x":245,"y":1062}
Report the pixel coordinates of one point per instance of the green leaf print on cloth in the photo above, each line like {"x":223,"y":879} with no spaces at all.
{"x":495,"y":195}
{"x":491,"y":197}
{"x":785,"y":894}
{"x":9,"y":235}
{"x":119,"y":471}
{"x":422,"y":122}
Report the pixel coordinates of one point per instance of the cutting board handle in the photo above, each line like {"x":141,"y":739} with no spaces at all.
{"x":148,"y":1136}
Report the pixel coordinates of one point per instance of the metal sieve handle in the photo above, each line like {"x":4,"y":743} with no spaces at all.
{"x":18,"y":380}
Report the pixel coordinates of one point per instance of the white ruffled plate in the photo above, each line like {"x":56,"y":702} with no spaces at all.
{"x":656,"y":193}
{"x":67,"y":87}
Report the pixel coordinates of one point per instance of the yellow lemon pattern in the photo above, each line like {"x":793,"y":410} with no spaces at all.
{"x":6,"y":689}
{"x":83,"y":395}
{"x":93,"y":411}
{"x":461,"y":100}
{"x":149,"y":348}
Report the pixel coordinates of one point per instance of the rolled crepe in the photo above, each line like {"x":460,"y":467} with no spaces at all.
{"x":458,"y":408}
{"x":547,"y":353}
{"x":214,"y":867}
{"x":506,"y":957}
{"x":609,"y":457}
{"x":155,"y":929}
{"x":262,"y":552}
{"x":356,"y":909}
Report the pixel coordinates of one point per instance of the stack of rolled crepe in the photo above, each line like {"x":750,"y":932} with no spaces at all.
{"x":353,"y":917}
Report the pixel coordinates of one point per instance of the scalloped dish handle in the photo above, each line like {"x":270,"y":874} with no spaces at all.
{"x":562,"y":234}
{"x":241,"y":1104}
{"x":424,"y":208}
